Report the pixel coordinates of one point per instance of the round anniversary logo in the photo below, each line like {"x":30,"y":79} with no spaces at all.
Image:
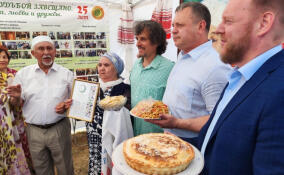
{"x":98,"y":12}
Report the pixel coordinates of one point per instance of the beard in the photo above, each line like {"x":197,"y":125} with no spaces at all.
{"x":234,"y":52}
{"x":47,"y":63}
{"x":139,"y":55}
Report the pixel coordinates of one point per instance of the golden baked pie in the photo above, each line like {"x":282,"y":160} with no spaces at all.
{"x":113,"y":102}
{"x":150,"y":109}
{"x":157,"y":154}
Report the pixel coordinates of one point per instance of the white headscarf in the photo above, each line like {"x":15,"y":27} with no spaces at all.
{"x":105,"y":85}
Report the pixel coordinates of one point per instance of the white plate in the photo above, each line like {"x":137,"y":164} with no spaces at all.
{"x":194,"y":168}
{"x":143,"y":118}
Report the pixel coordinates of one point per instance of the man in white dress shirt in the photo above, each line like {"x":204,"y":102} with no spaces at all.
{"x":45,"y":86}
{"x":197,"y":79}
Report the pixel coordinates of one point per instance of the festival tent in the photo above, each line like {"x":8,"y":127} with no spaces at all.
{"x":84,"y":29}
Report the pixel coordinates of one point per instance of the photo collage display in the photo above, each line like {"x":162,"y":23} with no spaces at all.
{"x":68,"y":44}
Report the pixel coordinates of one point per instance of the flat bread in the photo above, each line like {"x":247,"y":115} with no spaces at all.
{"x":113,"y":102}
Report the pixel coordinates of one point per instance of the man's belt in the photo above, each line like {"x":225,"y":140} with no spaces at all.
{"x":47,"y":125}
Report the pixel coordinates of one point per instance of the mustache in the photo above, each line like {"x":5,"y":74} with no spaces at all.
{"x":46,"y":56}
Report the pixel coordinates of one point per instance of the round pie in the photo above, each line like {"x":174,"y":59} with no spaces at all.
{"x":157,"y":154}
{"x":113,"y":102}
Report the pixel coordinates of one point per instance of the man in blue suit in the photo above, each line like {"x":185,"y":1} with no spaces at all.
{"x":245,"y":132}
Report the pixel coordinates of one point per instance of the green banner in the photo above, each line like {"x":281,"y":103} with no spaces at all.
{"x":79,"y":31}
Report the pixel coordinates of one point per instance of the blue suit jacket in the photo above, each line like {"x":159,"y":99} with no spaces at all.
{"x":249,"y":135}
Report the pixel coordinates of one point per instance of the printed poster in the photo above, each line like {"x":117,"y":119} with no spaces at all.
{"x":79,"y":31}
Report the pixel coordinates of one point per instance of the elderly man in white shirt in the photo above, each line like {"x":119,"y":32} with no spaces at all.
{"x":45,"y":87}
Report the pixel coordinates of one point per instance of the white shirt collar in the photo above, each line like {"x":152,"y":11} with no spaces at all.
{"x":54,"y":67}
{"x":196,"y":52}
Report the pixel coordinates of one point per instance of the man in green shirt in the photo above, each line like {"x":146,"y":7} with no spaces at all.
{"x":149,"y":75}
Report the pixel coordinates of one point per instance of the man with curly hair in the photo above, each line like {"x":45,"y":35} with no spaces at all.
{"x":150,"y":72}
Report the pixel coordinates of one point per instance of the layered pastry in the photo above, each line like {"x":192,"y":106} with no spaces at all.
{"x":150,"y":109}
{"x":157,"y":154}
{"x":113,"y":102}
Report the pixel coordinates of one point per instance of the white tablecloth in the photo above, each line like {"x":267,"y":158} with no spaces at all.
{"x":116,"y":128}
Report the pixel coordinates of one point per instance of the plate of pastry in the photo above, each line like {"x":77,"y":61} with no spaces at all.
{"x":113,"y":102}
{"x":149,"y":109}
{"x":159,"y":154}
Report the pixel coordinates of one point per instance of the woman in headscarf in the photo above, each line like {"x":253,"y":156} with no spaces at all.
{"x":14,"y":152}
{"x":110,"y":67}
